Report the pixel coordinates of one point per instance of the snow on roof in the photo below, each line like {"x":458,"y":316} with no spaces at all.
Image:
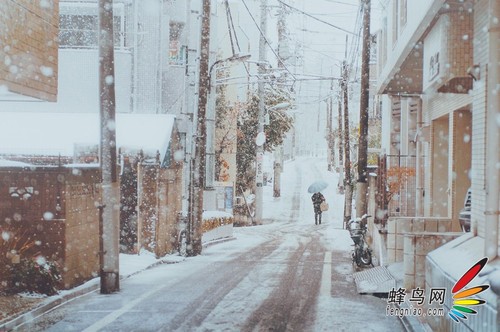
{"x":11,"y":163}
{"x":58,"y":133}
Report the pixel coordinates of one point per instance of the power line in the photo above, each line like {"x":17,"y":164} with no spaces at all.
{"x":317,"y":19}
{"x":342,"y":3}
{"x":354,"y":50}
{"x":267,"y":41}
{"x":230,"y":26}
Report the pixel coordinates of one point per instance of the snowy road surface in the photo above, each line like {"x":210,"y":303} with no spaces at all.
{"x":285,"y":275}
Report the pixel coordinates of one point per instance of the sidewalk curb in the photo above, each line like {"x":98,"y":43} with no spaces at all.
{"x":54,"y":301}
{"x":214,"y":242}
{"x":46,"y":306}
{"x":410,"y":323}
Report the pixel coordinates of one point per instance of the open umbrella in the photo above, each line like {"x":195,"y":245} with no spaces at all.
{"x":317,"y":186}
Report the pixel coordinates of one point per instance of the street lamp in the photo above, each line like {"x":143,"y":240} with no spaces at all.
{"x":276,"y":107}
{"x":233,"y":58}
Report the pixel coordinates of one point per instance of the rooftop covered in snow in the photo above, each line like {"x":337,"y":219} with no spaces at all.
{"x":54,"y":134}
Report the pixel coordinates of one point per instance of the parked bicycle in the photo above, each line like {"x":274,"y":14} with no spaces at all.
{"x":362,"y":254}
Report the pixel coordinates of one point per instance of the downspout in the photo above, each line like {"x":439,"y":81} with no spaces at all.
{"x":419,"y":163}
{"x":492,"y":133}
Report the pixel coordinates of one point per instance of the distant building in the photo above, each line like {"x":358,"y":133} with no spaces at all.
{"x":156,"y":51}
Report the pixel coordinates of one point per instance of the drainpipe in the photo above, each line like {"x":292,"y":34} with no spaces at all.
{"x":419,"y":206}
{"x":492,"y":132}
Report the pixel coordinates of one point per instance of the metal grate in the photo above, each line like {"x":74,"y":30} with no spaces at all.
{"x":374,"y":281}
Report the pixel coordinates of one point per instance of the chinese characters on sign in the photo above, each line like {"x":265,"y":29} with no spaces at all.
{"x":416,"y":298}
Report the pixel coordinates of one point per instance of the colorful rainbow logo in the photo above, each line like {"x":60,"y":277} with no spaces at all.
{"x":461,"y":298}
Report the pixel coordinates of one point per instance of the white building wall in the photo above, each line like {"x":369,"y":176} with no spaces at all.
{"x":78,"y":90}
{"x":478,"y":174}
{"x":148,"y":56}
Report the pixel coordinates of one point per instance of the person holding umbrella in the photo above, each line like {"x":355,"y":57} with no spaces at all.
{"x":318,"y":199}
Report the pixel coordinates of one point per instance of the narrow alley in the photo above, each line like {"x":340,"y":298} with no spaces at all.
{"x":285,"y":275}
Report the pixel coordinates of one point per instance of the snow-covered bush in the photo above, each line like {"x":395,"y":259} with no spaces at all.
{"x":34,"y":276}
{"x":216,"y":221}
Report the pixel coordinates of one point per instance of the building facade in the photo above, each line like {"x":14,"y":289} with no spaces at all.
{"x":438,"y":69}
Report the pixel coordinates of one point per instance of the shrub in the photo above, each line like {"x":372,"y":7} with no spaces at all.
{"x":214,"y":222}
{"x":14,"y":242}
{"x":31,"y":273}
{"x":35,"y":276}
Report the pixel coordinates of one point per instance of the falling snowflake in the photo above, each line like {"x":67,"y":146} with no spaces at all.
{"x":5,"y":236}
{"x":46,"y":71}
{"x":109,"y":79}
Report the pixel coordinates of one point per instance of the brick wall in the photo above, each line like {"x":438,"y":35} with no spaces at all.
{"x":397,"y":227}
{"x":169,"y":207}
{"x":81,"y":261}
{"x":159,"y":204}
{"x":458,"y":41}
{"x":28,"y":35}
{"x":67,"y":228}
{"x":46,"y":186}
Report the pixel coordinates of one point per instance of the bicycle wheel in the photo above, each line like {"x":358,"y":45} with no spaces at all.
{"x":365,"y":257}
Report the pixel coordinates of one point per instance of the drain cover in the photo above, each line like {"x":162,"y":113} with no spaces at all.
{"x":374,"y":280}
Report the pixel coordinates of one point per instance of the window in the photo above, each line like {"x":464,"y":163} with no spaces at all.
{"x":383,"y":44}
{"x":404,"y":13}
{"x":374,"y":49}
{"x":80,"y":31}
{"x":395,"y":25}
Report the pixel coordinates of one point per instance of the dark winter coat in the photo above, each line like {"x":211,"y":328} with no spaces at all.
{"x":317,"y":199}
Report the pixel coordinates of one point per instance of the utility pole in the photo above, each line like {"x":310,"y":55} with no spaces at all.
{"x":362,"y":183}
{"x":341,"y":144}
{"x":196,"y":201}
{"x":278,"y":153}
{"x":259,"y":178}
{"x":109,"y":224}
{"x":347,"y":147}
{"x":331,"y":137}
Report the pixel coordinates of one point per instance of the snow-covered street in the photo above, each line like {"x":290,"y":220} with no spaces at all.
{"x":194,"y":165}
{"x":286,"y":275}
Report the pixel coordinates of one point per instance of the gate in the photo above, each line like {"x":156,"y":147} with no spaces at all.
{"x":396,"y":186}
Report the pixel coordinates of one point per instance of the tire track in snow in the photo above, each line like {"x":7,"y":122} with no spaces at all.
{"x":290,"y":307}
{"x":196,"y":312}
